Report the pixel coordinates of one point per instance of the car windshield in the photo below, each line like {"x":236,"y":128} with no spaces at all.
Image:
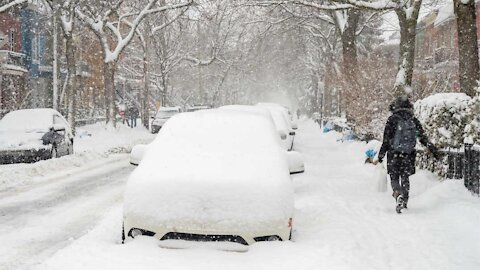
{"x":26,"y":121}
{"x":166,"y":114}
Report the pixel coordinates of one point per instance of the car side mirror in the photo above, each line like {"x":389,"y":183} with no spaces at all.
{"x":295,"y":162}
{"x":57,"y":128}
{"x":294,"y":125}
{"x":282,"y":134}
{"x":138,"y":151}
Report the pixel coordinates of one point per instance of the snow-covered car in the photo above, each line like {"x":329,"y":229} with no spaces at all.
{"x":34,"y":134}
{"x":207,"y":178}
{"x":282,"y":123}
{"x":198,"y":108}
{"x":162,"y":116}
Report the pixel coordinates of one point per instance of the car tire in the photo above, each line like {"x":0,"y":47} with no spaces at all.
{"x":53,"y":152}
{"x":70,"y":149}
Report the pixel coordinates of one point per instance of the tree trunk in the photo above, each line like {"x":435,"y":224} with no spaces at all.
{"x":352,"y":90}
{"x":408,"y":25}
{"x":72,"y":80}
{"x":145,"y":102}
{"x":349,"y":45}
{"x":55,"y":62}
{"x":469,"y":69}
{"x":109,"y":84}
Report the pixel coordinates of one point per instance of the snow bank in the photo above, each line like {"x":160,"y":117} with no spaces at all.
{"x":93,"y":144}
{"x":214,"y":167}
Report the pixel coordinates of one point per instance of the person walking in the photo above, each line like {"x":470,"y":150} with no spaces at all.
{"x":133,"y":114}
{"x":399,"y":140}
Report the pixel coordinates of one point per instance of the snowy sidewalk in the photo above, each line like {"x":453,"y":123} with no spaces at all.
{"x":341,"y":222}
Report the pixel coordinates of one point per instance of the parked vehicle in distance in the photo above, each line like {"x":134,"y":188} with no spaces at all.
{"x":207,"y":178}
{"x":198,"y":108}
{"x":34,"y":134}
{"x":162,"y":116}
{"x":282,"y":123}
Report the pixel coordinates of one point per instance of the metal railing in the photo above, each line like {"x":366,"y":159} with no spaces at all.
{"x":455,"y":164}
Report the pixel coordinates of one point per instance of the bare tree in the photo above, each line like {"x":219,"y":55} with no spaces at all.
{"x":109,"y":20}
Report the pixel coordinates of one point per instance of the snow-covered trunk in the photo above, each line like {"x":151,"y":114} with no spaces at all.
{"x":109,"y":84}
{"x":146,"y":81}
{"x":469,"y":69}
{"x":407,"y":17}
{"x":55,"y":63}
{"x":72,"y":79}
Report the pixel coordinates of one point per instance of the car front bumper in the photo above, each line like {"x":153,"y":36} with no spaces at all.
{"x":24,"y":156}
{"x":247,"y":237}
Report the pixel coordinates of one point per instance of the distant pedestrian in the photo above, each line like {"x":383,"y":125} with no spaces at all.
{"x":399,"y":141}
{"x":298,"y":113}
{"x":133,"y":115}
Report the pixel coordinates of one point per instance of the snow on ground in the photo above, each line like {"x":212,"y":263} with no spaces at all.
{"x":341,"y":222}
{"x":94,"y":145}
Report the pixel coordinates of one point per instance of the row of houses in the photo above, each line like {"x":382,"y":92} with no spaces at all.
{"x":26,"y":61}
{"x":25,"y":58}
{"x":436,"y":55}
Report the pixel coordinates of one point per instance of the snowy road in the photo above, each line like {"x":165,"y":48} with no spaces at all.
{"x":341,"y":222}
{"x":36,"y":222}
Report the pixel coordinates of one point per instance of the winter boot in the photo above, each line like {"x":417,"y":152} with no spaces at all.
{"x":400,"y":204}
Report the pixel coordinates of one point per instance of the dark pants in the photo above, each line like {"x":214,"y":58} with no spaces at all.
{"x":400,"y":186}
{"x":133,"y":122}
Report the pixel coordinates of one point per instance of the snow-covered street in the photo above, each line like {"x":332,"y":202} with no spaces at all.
{"x":341,"y":222}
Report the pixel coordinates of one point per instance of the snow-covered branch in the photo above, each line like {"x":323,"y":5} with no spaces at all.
{"x":12,"y":4}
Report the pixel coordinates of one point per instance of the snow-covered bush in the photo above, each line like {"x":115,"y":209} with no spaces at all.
{"x":444,"y":117}
{"x":472,"y":129}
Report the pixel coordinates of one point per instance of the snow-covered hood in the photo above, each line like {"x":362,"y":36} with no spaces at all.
{"x":21,"y":140}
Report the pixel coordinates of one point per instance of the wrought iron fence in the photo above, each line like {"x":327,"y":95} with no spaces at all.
{"x":455,"y":164}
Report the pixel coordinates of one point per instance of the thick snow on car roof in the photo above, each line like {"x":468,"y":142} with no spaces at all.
{"x":29,"y":119}
{"x":208,"y":167}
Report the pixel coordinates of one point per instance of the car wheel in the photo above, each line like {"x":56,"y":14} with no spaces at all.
{"x":70,"y":149}
{"x":54,"y":153}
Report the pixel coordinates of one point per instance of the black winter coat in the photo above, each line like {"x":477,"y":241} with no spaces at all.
{"x":400,"y":163}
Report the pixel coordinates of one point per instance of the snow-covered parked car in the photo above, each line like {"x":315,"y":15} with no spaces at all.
{"x":162,"y":116}
{"x":34,"y":134}
{"x":282,"y":123}
{"x":207,"y":178}
{"x":195,"y":108}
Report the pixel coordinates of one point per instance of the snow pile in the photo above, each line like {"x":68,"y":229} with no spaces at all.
{"x":443,"y":117}
{"x":93,"y":145}
{"x":220,"y":168}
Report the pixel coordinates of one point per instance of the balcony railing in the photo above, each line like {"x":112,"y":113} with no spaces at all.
{"x":12,"y":63}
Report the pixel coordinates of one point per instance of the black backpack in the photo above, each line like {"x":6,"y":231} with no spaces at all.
{"x":405,"y":137}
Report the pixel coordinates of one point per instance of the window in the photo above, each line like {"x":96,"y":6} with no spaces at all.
{"x":35,"y":48}
{"x":12,"y":39}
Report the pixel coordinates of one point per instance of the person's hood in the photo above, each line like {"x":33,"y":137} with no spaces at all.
{"x":401,"y":104}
